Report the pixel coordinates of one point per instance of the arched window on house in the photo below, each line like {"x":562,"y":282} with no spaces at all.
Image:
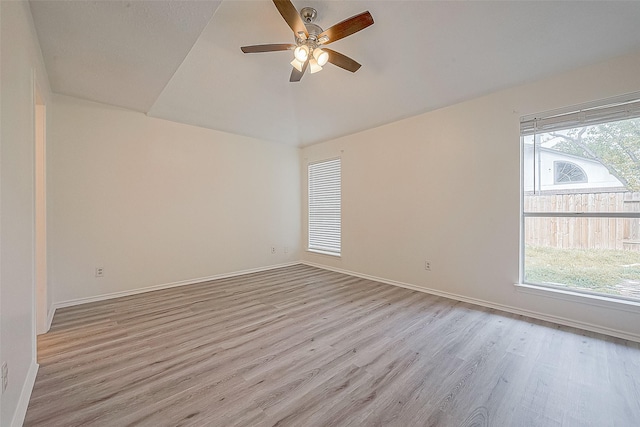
{"x":567,"y":172}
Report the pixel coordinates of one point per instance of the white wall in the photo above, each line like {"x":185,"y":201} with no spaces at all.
{"x":21,"y":60}
{"x":444,"y":187}
{"x":156,"y":202}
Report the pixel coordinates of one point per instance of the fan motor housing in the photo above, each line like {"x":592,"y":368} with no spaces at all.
{"x":313,"y":29}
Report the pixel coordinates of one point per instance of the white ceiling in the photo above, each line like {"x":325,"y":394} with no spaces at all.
{"x":181,"y":60}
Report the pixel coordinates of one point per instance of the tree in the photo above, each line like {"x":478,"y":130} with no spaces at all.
{"x":615,"y":144}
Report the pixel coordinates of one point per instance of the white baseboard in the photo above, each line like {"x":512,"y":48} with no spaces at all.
{"x":534,"y":314}
{"x":25,"y":395}
{"x":50,"y":314}
{"x":514,"y":310}
{"x":111,"y":295}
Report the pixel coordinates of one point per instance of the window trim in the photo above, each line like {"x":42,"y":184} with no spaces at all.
{"x":585,"y":297}
{"x":309,"y":247}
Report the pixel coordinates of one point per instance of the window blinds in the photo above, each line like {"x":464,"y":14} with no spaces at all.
{"x":582,"y":117}
{"x":324,"y":206}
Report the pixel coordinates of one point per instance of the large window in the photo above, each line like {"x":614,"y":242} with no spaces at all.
{"x":325,"y":207}
{"x":581,"y":199}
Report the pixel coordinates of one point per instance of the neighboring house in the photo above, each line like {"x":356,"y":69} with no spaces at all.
{"x":558,"y":171}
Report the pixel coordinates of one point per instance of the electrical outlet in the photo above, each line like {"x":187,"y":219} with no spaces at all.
{"x":427,"y":265}
{"x":5,"y":376}
{"x":273,"y":249}
{"x":99,"y":272}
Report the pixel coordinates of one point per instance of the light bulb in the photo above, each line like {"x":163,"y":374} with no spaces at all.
{"x":301,"y":53}
{"x":321,"y":56}
{"x":314,"y":66}
{"x":297,"y":64}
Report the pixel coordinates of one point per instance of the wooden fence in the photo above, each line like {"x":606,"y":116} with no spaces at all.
{"x":583,"y":233}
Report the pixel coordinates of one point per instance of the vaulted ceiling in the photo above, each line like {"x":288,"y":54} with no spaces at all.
{"x":181,"y":60}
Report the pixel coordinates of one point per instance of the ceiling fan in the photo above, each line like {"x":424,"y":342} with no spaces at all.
{"x":310,"y":39}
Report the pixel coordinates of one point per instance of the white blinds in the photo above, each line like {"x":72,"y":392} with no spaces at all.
{"x":324,"y":206}
{"x":583,"y":117}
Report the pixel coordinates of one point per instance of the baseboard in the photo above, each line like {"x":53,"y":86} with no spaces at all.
{"x":25,"y":395}
{"x":509,"y":309}
{"x":50,"y":314}
{"x":112,"y":295}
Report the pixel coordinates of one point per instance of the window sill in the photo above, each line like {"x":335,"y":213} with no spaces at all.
{"x":331,"y":254}
{"x":579,"y":297}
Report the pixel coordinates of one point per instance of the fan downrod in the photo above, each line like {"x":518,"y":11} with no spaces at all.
{"x":308,"y":14}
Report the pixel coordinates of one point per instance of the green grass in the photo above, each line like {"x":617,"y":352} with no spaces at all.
{"x":598,"y":270}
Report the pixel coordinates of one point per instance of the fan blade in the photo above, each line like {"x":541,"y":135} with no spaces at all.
{"x":267,"y":47}
{"x":347,"y":27}
{"x":297,"y":75}
{"x":342,"y":61}
{"x":291,"y":15}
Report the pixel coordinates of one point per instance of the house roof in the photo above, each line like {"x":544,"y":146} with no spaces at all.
{"x":182,"y":61}
{"x":568,"y":156}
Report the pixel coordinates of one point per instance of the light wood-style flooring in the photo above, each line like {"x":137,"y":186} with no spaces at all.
{"x":301,"y":346}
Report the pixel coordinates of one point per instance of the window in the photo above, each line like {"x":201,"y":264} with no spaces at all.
{"x":566,"y":172}
{"x":325,"y":207}
{"x":583,"y":234}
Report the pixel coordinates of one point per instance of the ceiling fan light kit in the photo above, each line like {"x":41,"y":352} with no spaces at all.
{"x":297,"y":64}
{"x":321,"y":56}
{"x":314,"y":66}
{"x":309,"y":37}
{"x":301,"y":53}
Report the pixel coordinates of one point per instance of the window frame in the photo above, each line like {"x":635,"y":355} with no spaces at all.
{"x":313,"y":246}
{"x":575,"y":113}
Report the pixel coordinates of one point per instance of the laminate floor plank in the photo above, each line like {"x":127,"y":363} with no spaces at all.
{"x":301,"y":346}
